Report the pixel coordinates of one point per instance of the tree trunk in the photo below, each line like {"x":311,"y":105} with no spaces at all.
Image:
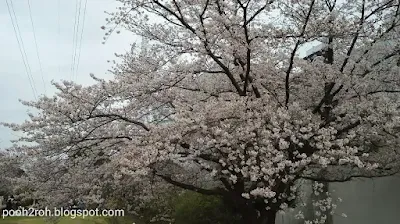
{"x":250,"y":211}
{"x":268,"y":218}
{"x":249,"y":216}
{"x":252,"y":216}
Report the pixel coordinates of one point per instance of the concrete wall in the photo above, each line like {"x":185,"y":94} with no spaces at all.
{"x":369,"y":201}
{"x":365,"y":201}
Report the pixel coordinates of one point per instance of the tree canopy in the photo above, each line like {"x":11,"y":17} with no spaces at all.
{"x":218,"y":102}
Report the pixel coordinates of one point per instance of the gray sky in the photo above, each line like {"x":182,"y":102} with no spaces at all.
{"x":55,"y":50}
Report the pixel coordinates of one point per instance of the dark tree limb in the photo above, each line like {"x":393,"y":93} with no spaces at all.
{"x":119,"y":117}
{"x":353,"y":42}
{"x":292,"y":55}
{"x":374,"y":173}
{"x":190,"y":187}
{"x":348,"y":128}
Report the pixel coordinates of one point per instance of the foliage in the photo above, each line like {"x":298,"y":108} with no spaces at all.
{"x":196,"y":208}
{"x":219,"y":103}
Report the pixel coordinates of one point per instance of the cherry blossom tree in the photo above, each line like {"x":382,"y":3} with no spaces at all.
{"x":218,"y":102}
{"x":10,"y":168}
{"x":4,"y":182}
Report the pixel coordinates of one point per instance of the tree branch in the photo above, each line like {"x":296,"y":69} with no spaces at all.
{"x":292,"y":56}
{"x":374,"y":173}
{"x":353,"y":43}
{"x":348,"y":128}
{"x":189,"y":187}
{"x":117,"y":116}
{"x":258,"y":12}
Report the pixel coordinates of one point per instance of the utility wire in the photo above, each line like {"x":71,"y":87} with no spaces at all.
{"x":80,"y":42}
{"x":73,"y":40}
{"x":36,"y":45}
{"x":21,"y":47}
{"x":58,"y":33}
{"x":76,"y":38}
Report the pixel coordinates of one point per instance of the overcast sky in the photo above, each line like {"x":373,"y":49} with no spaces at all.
{"x":55,"y":43}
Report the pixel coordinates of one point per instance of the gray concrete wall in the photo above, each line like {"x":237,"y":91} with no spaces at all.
{"x":365,"y":201}
{"x":368,"y":201}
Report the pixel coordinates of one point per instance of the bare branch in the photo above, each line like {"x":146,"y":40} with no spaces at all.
{"x":348,"y":128}
{"x":292,"y":56}
{"x":190,"y":187}
{"x":248,"y":51}
{"x":344,"y":176}
{"x":380,"y":8}
{"x":117,"y":116}
{"x":258,"y":12}
{"x":218,"y":61}
{"x":353,"y":43}
{"x":383,"y":91}
{"x":392,"y":26}
{"x":395,"y":53}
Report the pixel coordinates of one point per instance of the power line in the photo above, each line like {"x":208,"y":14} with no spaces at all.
{"x":36,"y":45}
{"x":21,"y":47}
{"x":80,"y":42}
{"x":58,"y":32}
{"x":75,"y":39}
